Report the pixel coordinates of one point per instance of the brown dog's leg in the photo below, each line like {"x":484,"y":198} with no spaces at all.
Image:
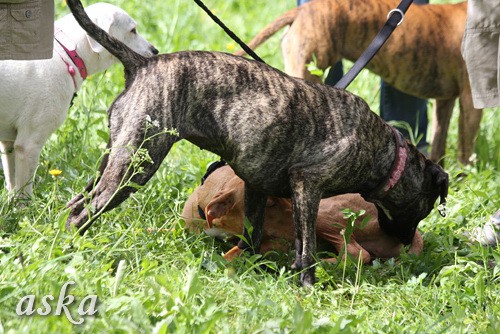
{"x":468,"y":127}
{"x":267,"y":246}
{"x":442,"y":112}
{"x":357,"y":251}
{"x":353,"y":247}
{"x":417,"y":244}
{"x":233,"y":253}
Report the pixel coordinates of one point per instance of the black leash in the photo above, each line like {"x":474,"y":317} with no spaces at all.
{"x":395,"y":18}
{"x":228,"y":31}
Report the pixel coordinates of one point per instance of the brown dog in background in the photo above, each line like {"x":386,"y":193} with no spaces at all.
{"x":221,"y":199}
{"x":421,"y":58}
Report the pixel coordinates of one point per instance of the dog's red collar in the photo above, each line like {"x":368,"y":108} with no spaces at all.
{"x":398,"y":167}
{"x":70,"y":50}
{"x":399,"y":162}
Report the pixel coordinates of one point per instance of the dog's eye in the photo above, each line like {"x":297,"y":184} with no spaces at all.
{"x":133,"y":31}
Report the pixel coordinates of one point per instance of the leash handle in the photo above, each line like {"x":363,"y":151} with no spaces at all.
{"x":394,"y":18}
{"x":228,"y":31}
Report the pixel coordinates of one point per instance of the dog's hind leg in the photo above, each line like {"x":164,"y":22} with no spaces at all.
{"x":468,"y":127}
{"x":299,"y":48}
{"x":440,"y":123}
{"x":255,"y":205}
{"x":305,"y":204}
{"x":296,"y":62}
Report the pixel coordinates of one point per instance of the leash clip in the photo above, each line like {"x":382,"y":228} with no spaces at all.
{"x":396,"y":10}
{"x":442,"y":209}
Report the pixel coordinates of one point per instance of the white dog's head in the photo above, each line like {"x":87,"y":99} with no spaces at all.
{"x":116,"y":22}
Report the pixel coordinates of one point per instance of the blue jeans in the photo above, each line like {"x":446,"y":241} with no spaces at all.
{"x":394,"y":104}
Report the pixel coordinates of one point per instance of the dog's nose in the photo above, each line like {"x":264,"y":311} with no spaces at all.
{"x":154,"y":50}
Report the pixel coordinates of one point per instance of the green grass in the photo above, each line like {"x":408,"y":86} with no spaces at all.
{"x":173,"y":281}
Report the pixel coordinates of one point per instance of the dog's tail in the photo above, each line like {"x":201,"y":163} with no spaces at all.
{"x":126,"y":55}
{"x":272,"y":28}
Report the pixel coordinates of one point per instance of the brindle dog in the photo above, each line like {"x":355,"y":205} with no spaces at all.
{"x":283,"y":136}
{"x":422,"y":57}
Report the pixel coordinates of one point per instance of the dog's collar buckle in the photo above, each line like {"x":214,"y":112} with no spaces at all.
{"x":70,"y":49}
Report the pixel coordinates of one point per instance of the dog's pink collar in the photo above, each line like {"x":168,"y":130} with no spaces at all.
{"x":397,"y":169}
{"x":399,"y":162}
{"x":62,"y":39}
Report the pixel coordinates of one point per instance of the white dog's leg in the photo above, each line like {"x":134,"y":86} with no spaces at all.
{"x":27,"y":154}
{"x":8,"y":159}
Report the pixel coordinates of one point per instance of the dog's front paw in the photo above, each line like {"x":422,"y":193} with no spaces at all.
{"x":295,"y":266}
{"x":73,"y":202}
{"x":78,"y":216}
{"x":308,"y":278}
{"x":233,"y":253}
{"x":77,"y":220}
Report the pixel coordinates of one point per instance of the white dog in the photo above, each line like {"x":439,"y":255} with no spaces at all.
{"x":35,"y":95}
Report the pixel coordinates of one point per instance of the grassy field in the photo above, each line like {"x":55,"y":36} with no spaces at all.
{"x":152,"y":276}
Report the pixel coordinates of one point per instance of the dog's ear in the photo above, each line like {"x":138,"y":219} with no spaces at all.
{"x":440,"y":181}
{"x":219,"y":206}
{"x":96,"y":47}
{"x":105,"y":24}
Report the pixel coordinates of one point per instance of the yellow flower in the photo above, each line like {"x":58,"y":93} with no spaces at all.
{"x":55,"y":172}
{"x":230,"y":46}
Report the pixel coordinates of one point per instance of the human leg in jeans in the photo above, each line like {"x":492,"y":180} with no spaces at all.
{"x":398,"y":106}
